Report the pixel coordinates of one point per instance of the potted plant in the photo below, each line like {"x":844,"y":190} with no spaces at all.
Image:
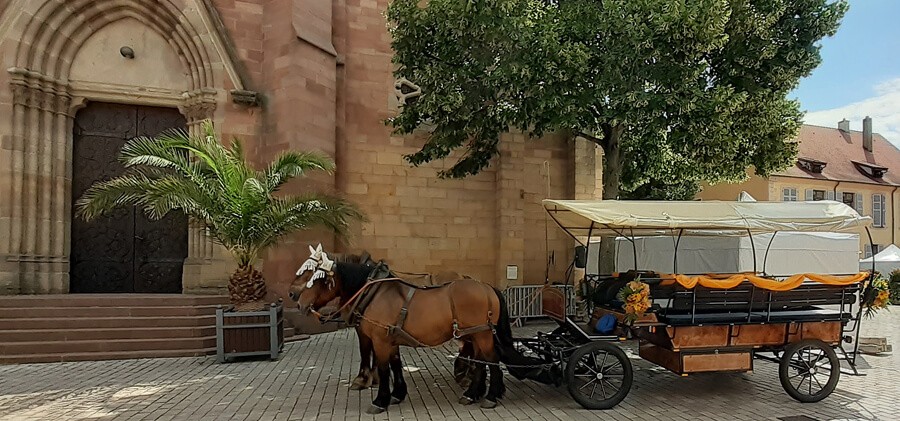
{"x":236,"y":205}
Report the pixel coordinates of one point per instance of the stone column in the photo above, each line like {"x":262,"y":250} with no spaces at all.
{"x":36,"y":249}
{"x":511,"y":209}
{"x":207,"y":267}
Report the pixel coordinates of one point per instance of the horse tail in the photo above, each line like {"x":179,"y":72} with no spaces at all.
{"x":519,"y":365}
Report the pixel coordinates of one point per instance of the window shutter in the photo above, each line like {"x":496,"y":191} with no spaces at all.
{"x":829,"y":195}
{"x":859,"y":203}
{"x":809,"y":195}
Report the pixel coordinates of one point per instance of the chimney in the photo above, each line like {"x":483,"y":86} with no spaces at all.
{"x":867,"y":133}
{"x":844,"y":125}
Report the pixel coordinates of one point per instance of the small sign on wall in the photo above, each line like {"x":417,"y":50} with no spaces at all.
{"x":512,"y":272}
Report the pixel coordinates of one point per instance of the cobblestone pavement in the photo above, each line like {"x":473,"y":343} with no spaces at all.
{"x":310,"y":381}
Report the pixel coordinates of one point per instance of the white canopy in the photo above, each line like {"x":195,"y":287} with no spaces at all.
{"x":885,"y":261}
{"x":581,"y":218}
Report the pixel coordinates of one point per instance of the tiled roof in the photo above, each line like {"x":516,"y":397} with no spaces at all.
{"x":839,"y":150}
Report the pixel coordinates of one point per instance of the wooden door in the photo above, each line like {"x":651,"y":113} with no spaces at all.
{"x":124,"y":251}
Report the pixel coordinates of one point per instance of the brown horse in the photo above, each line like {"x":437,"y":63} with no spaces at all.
{"x":367,"y":375}
{"x":464,"y":309}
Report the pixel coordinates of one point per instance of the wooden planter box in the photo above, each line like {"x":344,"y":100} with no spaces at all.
{"x":249,"y":333}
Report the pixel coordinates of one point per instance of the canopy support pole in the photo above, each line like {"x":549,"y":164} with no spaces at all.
{"x":634,"y":250}
{"x":753,"y":248}
{"x":675,"y":253}
{"x":766,"y":257}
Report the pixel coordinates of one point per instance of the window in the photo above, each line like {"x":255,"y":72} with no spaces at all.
{"x":788,"y":194}
{"x":812,"y":195}
{"x":854,"y":200}
{"x":871,"y":250}
{"x":878,"y":211}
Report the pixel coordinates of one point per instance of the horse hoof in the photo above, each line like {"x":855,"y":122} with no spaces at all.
{"x":395,"y":400}
{"x":373,"y":409}
{"x":488,"y":404}
{"x":465,"y":400}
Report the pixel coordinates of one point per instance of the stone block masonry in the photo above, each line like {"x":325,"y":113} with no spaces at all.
{"x":324,"y":74}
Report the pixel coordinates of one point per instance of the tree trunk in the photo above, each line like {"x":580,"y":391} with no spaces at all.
{"x":246,"y":287}
{"x":612,"y":173}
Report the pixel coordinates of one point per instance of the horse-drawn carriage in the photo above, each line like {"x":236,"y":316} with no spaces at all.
{"x":695,"y":323}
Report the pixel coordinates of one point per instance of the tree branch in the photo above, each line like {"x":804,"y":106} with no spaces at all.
{"x":592,"y":138}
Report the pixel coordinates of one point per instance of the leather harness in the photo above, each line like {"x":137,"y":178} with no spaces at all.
{"x":361,"y":300}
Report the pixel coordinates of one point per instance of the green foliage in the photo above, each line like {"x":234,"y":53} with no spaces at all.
{"x":674,"y":90}
{"x":661,"y":190}
{"x":217,"y":187}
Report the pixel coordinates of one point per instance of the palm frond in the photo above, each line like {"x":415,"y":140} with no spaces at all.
{"x":289,"y":165}
{"x":217,"y":187}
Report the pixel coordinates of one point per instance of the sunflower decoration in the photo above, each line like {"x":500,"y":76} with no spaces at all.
{"x":877,"y":295}
{"x":636,"y":298}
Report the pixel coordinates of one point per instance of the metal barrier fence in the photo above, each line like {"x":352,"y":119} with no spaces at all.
{"x":524,"y":301}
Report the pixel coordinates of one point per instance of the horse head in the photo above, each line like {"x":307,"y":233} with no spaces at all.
{"x":315,"y":283}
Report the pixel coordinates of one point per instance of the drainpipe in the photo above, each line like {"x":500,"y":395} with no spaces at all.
{"x":893,"y":218}
{"x":834,"y":192}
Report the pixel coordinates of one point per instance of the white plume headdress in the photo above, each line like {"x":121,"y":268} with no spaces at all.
{"x":319,"y":262}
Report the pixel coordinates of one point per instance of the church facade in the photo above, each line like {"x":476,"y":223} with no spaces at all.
{"x":82,"y":76}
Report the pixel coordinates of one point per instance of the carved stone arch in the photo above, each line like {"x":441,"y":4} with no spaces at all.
{"x":49,"y":36}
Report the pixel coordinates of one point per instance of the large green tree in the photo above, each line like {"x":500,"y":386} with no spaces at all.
{"x":673,"y":91}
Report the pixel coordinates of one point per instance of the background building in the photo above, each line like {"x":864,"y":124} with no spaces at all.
{"x":84,"y":75}
{"x":861,"y":169}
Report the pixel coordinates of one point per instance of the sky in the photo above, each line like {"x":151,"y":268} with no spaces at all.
{"x":860,"y":71}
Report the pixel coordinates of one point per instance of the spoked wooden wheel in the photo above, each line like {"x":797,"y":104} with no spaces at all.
{"x":809,"y":370}
{"x":599,"y":375}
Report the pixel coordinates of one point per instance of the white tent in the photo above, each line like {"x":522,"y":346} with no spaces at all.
{"x":745,"y":197}
{"x":885,"y":261}
{"x":789,"y":253}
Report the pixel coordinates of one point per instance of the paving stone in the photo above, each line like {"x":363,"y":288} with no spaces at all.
{"x":310,"y":381}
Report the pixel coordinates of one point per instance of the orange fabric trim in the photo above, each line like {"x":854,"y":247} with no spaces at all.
{"x":731,"y":281}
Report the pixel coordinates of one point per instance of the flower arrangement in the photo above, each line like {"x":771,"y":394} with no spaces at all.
{"x":877,"y":295}
{"x":636,"y":298}
{"x":894,"y":286}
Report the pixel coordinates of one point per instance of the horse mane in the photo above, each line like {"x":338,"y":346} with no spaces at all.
{"x":353,"y":276}
{"x":351,"y":258}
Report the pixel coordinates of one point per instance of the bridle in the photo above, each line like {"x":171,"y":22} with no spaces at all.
{"x":323,"y":268}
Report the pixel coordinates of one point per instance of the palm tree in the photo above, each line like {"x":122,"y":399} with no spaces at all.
{"x":217,"y":187}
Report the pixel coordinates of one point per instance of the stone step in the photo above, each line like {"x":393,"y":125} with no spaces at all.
{"x":54,"y":323}
{"x":99,"y":356}
{"x":110,"y":300}
{"x":109,"y":334}
{"x":94,"y":312}
{"x":105,"y":346}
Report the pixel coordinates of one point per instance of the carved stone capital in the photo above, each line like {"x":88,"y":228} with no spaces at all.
{"x":36,"y":90}
{"x":198,"y":105}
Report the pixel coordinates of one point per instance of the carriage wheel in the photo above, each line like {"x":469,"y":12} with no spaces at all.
{"x":598,"y":375}
{"x":809,"y":370}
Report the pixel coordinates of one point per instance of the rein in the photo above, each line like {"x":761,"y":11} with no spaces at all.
{"x":337,"y":314}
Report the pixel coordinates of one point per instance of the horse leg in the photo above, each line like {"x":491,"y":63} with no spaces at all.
{"x":365,"y":377}
{"x":400,"y":390}
{"x":383,"y":356}
{"x":485,"y":346}
{"x":476,"y":387}
{"x":463,"y":367}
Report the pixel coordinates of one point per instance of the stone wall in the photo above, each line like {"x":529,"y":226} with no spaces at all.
{"x":324,"y":73}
